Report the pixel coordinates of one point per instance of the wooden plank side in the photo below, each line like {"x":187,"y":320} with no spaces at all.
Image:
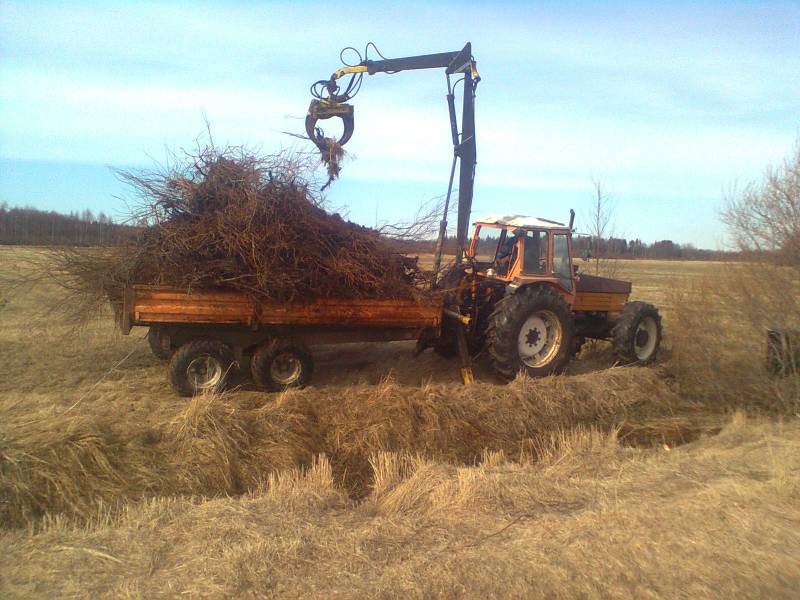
{"x":147,"y":318}
{"x":126,"y":321}
{"x":169,"y":305}
{"x":400,"y":313}
{"x":194,"y":308}
{"x":601,"y":302}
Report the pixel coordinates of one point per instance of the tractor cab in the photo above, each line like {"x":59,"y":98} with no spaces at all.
{"x":520,"y":250}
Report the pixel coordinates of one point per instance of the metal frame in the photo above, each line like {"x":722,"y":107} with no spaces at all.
{"x":464,"y":143}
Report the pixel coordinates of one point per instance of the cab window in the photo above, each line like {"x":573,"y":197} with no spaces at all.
{"x":486,"y":248}
{"x":534,"y":261}
{"x":561,"y":262}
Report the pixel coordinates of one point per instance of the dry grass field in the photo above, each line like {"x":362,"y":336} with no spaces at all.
{"x":387,"y":478}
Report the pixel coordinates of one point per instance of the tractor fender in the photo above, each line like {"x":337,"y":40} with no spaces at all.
{"x":515,"y":286}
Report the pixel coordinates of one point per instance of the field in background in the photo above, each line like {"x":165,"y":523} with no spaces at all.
{"x":387,"y":477}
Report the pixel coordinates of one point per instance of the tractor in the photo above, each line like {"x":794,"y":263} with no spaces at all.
{"x":518,"y":296}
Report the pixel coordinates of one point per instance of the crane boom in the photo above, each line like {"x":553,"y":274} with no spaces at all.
{"x":332,"y":102}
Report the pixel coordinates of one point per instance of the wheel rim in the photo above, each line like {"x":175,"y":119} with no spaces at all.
{"x":285,"y":368}
{"x":539,"y":339}
{"x":645,"y":338}
{"x":204,"y":372}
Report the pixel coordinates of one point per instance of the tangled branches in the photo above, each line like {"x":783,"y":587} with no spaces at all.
{"x":229,"y":218}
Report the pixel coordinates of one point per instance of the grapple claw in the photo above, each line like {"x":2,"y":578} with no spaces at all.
{"x":325,"y":109}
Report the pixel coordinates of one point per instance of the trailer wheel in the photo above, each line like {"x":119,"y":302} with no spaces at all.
{"x":637,"y":334}
{"x":200,"y":366}
{"x":281,"y":364}
{"x":158,"y":349}
{"x":530,"y":331}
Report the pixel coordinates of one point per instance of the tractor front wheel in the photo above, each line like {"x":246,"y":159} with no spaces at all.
{"x":637,"y":334}
{"x":530,"y":331}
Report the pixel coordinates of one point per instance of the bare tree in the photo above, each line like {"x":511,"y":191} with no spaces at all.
{"x":764,"y":218}
{"x":600,"y":223}
{"x":764,"y":221}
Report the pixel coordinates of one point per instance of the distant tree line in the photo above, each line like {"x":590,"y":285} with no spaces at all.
{"x":663,"y":249}
{"x":30,"y":226}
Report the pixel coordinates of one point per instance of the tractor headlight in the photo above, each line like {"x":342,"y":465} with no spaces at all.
{"x":490,"y":272}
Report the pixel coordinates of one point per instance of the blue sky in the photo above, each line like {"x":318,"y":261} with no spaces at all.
{"x":668,"y":103}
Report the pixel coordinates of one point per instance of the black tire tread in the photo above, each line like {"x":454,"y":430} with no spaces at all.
{"x":184,"y":355}
{"x":503,"y":329}
{"x":264,"y":354}
{"x":624,"y":329}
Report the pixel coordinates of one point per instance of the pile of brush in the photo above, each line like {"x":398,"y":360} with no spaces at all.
{"x":229,"y":218}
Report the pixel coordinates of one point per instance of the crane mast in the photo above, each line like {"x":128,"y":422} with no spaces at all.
{"x":331,"y":101}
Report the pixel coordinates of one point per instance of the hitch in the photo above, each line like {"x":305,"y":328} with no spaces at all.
{"x":457,"y":324}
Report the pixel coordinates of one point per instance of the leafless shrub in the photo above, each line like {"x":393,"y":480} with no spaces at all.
{"x":764,"y":218}
{"x":423,"y":226}
{"x":720,"y":335}
{"x":600,"y":223}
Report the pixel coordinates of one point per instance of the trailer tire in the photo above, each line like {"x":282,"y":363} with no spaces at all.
{"x":281,"y":364}
{"x":516,"y":327}
{"x":156,"y":347}
{"x":637,"y":334}
{"x":200,"y":366}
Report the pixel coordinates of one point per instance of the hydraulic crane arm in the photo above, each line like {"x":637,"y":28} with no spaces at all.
{"x":454,"y":62}
{"x":331,"y":101}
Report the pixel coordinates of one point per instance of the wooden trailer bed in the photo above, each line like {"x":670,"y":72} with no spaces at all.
{"x":154,"y":306}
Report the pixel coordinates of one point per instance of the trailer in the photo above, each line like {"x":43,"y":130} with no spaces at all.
{"x":208,"y":333}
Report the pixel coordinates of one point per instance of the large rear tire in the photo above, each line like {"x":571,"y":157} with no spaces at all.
{"x":637,"y":334}
{"x":200,"y":366}
{"x":281,"y":364}
{"x":530,"y":331}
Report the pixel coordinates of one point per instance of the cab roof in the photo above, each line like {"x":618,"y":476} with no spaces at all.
{"x":520,"y":221}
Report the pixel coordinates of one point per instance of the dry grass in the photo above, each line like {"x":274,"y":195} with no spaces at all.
{"x":719,"y":338}
{"x":388,"y":478}
{"x":56,"y":463}
{"x":590,"y":519}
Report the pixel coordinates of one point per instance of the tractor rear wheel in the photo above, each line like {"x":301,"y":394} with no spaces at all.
{"x":281,"y":364}
{"x":200,"y":366}
{"x":637,"y":334}
{"x":530,"y":331}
